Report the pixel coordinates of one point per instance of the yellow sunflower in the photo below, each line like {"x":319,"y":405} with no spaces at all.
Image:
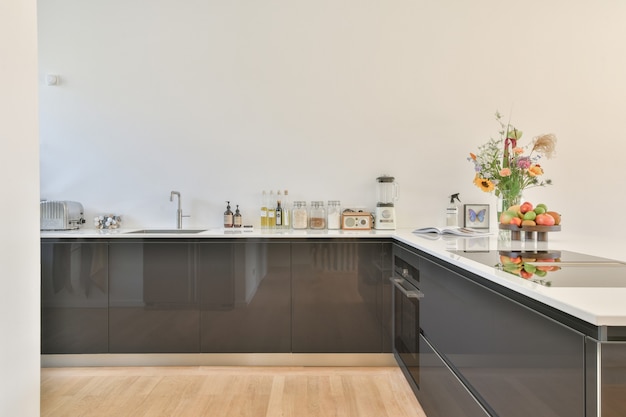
{"x":484,"y":184}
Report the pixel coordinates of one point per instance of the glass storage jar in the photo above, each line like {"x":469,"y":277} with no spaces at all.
{"x":299,"y":215}
{"x":333,"y":215}
{"x":317,"y":216}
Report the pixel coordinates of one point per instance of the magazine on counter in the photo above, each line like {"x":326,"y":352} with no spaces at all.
{"x":452,"y":230}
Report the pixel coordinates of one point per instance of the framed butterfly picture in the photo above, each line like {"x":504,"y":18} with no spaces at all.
{"x":477,"y":216}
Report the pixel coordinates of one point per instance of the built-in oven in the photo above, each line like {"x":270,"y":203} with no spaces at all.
{"x":406,"y":297}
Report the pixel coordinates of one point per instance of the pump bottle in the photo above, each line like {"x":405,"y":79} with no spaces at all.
{"x":237,"y":218}
{"x":452,"y":211}
{"x":228,"y":216}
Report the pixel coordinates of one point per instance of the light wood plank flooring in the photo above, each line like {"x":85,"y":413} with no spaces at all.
{"x":227,"y":391}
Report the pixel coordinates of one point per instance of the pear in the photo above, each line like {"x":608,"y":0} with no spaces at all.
{"x":557,"y":217}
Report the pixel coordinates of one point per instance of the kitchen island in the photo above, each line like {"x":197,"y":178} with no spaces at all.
{"x":327,"y":295}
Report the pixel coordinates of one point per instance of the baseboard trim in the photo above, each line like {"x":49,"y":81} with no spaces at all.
{"x":219,"y":359}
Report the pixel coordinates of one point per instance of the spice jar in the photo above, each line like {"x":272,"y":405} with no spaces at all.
{"x":317,"y":217}
{"x":333,"y":215}
{"x":299,"y":215}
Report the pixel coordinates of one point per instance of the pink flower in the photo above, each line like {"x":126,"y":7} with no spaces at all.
{"x":505,"y":172}
{"x":524,"y":162}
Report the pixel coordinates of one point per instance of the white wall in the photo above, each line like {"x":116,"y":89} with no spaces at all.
{"x":19,"y":209}
{"x":220,"y":100}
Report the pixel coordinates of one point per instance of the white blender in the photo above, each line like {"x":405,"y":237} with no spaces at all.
{"x":387,"y":194}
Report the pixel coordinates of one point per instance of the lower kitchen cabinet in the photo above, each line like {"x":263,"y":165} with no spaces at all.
{"x":245,"y":297}
{"x":153,"y":301}
{"x":200,"y":296}
{"x":74,"y":297}
{"x":337,"y":296}
{"x":441,"y":393}
{"x":215,"y":296}
{"x":517,"y":361}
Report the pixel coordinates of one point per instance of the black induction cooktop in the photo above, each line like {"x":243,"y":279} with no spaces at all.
{"x":554,"y":268}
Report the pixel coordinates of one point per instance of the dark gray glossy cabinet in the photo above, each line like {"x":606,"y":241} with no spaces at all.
{"x":441,"y":393}
{"x":74,"y":297}
{"x":245,"y":297}
{"x":516,"y":361}
{"x":338,"y":296}
{"x":153,"y":304}
{"x":178,"y":296}
{"x":217,"y":296}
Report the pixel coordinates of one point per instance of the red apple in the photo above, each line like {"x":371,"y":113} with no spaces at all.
{"x":527,"y":206}
{"x":544,"y":220}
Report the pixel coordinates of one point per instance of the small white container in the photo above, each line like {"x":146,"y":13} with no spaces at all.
{"x":333,"y":215}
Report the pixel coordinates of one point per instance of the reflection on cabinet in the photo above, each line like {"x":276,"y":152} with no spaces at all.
{"x":153,"y":297}
{"x":442,"y":394}
{"x":517,"y":361}
{"x":74,"y":297}
{"x":215,"y":296}
{"x":337,"y":296}
{"x":179,"y":296}
{"x":245,"y":297}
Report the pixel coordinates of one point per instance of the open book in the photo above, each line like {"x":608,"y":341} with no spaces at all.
{"x":452,"y":230}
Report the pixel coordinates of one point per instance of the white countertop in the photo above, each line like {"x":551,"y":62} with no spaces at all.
{"x":598,"y":306}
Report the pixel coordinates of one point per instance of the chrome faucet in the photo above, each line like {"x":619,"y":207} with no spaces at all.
{"x":179,"y":212}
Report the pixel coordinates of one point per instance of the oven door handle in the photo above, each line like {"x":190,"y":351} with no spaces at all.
{"x":409,"y":293}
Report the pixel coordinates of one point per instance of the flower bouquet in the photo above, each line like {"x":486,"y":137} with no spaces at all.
{"x":504,"y":167}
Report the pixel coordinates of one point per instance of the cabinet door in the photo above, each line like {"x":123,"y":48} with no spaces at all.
{"x":518,"y":361}
{"x":153,"y":297}
{"x":245,"y":296}
{"x":74,"y":297}
{"x":440,"y":392}
{"x":337,"y":296}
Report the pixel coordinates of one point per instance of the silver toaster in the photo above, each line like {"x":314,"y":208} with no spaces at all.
{"x":61,"y":215}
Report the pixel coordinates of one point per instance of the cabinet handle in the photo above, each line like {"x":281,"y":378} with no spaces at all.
{"x":409,"y":293}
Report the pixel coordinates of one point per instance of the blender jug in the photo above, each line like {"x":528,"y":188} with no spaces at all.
{"x":387,"y":191}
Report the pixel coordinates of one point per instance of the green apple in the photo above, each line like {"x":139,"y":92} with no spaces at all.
{"x":530,"y":215}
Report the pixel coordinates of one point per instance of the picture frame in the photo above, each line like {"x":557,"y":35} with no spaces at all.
{"x":476,"y":216}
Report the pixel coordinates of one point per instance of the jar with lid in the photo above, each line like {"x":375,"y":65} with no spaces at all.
{"x":333,"y":214}
{"x":299,"y":215}
{"x":317,"y":216}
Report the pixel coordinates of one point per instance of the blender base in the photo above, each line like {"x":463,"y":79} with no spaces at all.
{"x":385,"y":218}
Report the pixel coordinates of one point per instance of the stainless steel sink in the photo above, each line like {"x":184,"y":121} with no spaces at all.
{"x":167,"y":231}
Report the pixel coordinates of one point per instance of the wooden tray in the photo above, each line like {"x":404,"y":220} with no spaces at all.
{"x":542,"y":231}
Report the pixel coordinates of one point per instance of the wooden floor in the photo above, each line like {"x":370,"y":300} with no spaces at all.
{"x":227,"y":391}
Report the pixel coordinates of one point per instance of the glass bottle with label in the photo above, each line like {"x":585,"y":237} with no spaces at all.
{"x":279,"y":214}
{"x":299,"y":215}
{"x":333,"y":214}
{"x":264,"y":210}
{"x":237,"y":218}
{"x":286,"y":211}
{"x":271,"y":211}
{"x":317,"y":216}
{"x":228,"y":216}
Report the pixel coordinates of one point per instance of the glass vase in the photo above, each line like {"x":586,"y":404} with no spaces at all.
{"x":504,"y":202}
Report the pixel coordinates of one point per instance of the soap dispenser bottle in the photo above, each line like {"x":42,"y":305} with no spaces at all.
{"x":228,"y":216}
{"x":452,"y":211}
{"x":237,"y":218}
